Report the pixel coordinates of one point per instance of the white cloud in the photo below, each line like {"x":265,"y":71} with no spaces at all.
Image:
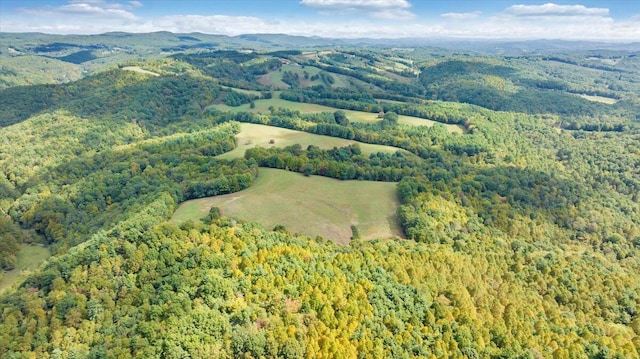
{"x":575,"y":22}
{"x":551,"y":9}
{"x":88,"y":9}
{"x":215,"y":24}
{"x":461,"y":15}
{"x":395,"y":14}
{"x":548,"y":21}
{"x":104,"y":4}
{"x":76,"y":16}
{"x":357,"y":4}
{"x":79,"y":9}
{"x":95,"y":2}
{"x":135,"y":3}
{"x":384,"y":9}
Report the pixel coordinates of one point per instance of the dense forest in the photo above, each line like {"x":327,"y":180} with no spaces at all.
{"x":521,"y":235}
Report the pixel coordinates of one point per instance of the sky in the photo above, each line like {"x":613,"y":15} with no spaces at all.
{"x":493,"y":19}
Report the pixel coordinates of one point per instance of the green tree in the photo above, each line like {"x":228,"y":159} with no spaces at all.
{"x":390,"y":119}
{"x":341,"y":118}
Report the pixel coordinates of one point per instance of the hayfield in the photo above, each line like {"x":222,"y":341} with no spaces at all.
{"x":246,"y":92}
{"x":359,"y":116}
{"x":252,"y":135}
{"x":274,"y":78}
{"x":139,"y":70}
{"x":601,"y":99}
{"x":314,"y":206}
{"x":29,"y":258}
{"x":262,"y":106}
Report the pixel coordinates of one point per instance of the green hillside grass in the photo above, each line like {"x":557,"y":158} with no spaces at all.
{"x":140,"y":70}
{"x":274,"y":78}
{"x":29,"y":258}
{"x":309,"y":205}
{"x":243,"y":91}
{"x":262,"y":106}
{"x":601,"y":99}
{"x":359,"y":116}
{"x":253,"y":135}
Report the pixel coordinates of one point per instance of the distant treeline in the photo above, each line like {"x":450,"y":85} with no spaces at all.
{"x":577,"y":63}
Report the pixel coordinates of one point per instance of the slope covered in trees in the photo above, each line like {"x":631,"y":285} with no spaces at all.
{"x":523,"y":235}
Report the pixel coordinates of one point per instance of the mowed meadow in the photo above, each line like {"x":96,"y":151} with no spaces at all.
{"x":264,"y":106}
{"x":252,"y":135}
{"x":274,"y":78}
{"x":28,"y":259}
{"x":314,"y":206}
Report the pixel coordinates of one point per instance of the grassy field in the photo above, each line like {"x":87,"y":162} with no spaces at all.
{"x":262,"y":106}
{"x":359,"y":116}
{"x":274,"y":78}
{"x":246,"y":92}
{"x":29,"y":258}
{"x":310,"y":205}
{"x":140,"y":70}
{"x":602,"y":99}
{"x":252,"y":135}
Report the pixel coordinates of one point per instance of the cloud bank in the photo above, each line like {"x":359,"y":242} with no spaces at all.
{"x":384,"y":9}
{"x":461,"y":15}
{"x":551,"y":9}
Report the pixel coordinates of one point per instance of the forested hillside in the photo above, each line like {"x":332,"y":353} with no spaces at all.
{"x":520,"y":221}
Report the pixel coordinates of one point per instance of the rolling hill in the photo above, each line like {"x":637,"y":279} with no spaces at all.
{"x":372,"y":226}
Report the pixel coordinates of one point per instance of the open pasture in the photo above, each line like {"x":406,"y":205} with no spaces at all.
{"x":243,"y":91}
{"x":314,"y":206}
{"x":29,"y":258}
{"x":262,"y":106}
{"x":601,"y":99}
{"x":252,"y":135}
{"x":274,"y":78}
{"x":140,"y":70}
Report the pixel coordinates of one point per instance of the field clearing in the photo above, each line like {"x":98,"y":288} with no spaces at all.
{"x":309,"y":205}
{"x":140,"y":70}
{"x":262,"y":106}
{"x":29,"y":258}
{"x":252,"y":135}
{"x":246,"y":92}
{"x":601,"y":99}
{"x":387,"y":71}
{"x":359,"y":116}
{"x":274,"y":78}
{"x":257,"y":60}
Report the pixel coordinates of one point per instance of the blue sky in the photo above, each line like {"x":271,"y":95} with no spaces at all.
{"x":512,"y":19}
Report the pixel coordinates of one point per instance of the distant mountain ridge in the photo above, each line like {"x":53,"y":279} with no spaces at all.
{"x":279,"y":40}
